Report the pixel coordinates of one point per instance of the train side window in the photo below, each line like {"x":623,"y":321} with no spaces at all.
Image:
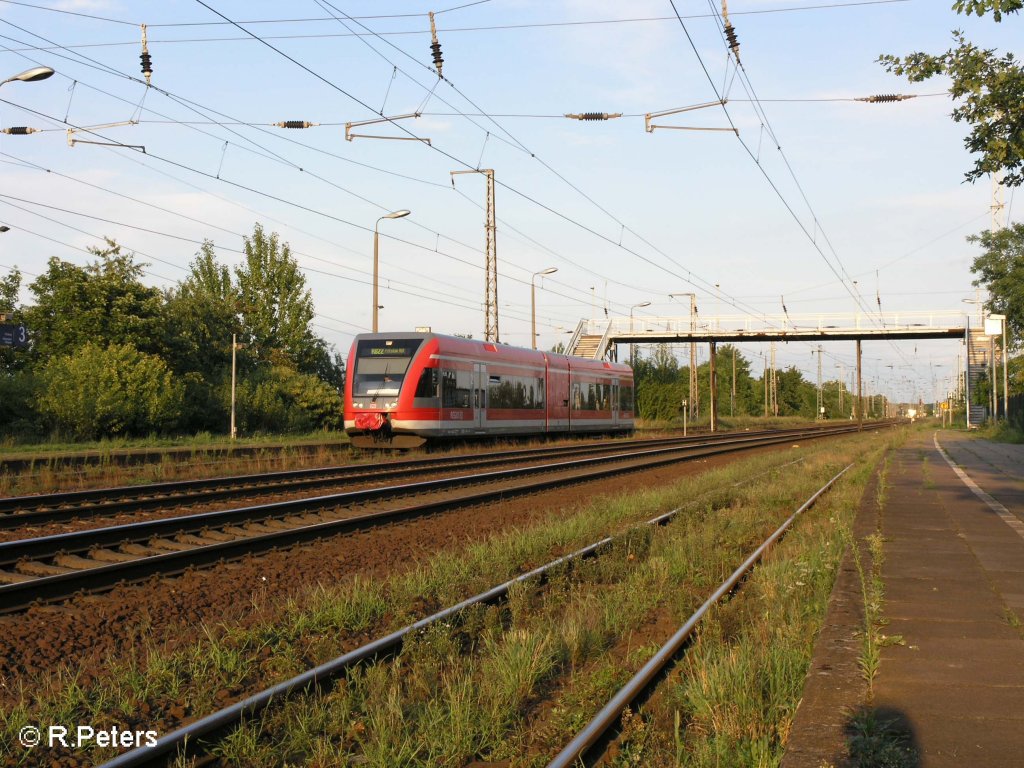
{"x":449,"y":390}
{"x":625,"y":397}
{"x":427,"y":385}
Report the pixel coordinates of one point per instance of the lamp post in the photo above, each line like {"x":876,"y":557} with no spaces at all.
{"x":533,"y":302}
{"x":632,"y":347}
{"x":30,"y":75}
{"x":1006,"y":377}
{"x":376,"y":258}
{"x":693,"y":351}
{"x":842,"y":382}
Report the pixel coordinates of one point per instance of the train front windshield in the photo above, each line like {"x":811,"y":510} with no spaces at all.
{"x":381,"y":365}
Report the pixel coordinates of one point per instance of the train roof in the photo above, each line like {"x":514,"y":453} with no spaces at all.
{"x":481,"y":347}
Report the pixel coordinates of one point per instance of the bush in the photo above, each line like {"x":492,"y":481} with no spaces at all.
{"x":18,"y":416}
{"x":280,"y":399}
{"x":105,"y":392}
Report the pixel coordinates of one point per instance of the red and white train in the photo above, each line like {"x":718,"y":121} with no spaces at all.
{"x":402,"y":389}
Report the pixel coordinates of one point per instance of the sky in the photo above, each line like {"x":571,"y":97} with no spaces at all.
{"x":823,"y":204}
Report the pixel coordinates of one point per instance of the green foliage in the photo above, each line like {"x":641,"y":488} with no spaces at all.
{"x":281,"y":399}
{"x":200,"y":315}
{"x":17,"y":406}
{"x":1000,"y":269}
{"x":110,"y":356}
{"x":10,"y":285}
{"x":981,"y":7}
{"x":274,"y":302}
{"x":662,"y":385}
{"x":114,"y":390}
{"x":101,"y":303}
{"x":988,"y":90}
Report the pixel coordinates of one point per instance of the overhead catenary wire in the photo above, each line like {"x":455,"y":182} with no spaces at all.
{"x":476,"y":28}
{"x":454,"y":302}
{"x":558,"y":213}
{"x":382,"y":208}
{"x":749,"y":88}
{"x":192,"y":105}
{"x":690,"y":277}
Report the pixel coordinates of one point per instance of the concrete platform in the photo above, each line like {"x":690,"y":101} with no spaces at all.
{"x":953,"y":572}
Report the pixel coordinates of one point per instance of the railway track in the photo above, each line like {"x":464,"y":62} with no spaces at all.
{"x":196,"y":738}
{"x":56,"y":567}
{"x":40,"y":509}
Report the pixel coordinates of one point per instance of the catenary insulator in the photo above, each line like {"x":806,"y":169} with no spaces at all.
{"x":886,"y":97}
{"x":295,"y":124}
{"x":734,"y":43}
{"x":20,"y":130}
{"x":435,"y":47}
{"x":593,"y":115}
{"x":145,"y":58}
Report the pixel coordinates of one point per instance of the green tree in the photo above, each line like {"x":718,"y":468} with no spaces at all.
{"x":9,"y":288}
{"x":275,"y":305}
{"x":988,"y":89}
{"x":201,"y":315}
{"x":115,"y":390}
{"x":101,"y":303}
{"x":10,"y":285}
{"x":1000,"y":269}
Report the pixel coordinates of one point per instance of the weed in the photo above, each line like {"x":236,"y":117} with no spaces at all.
{"x":879,"y":742}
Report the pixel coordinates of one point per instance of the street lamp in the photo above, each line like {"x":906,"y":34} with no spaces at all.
{"x":632,"y":347}
{"x":1006,"y":378}
{"x":842,"y":382}
{"x":30,"y":75}
{"x":693,"y":351}
{"x":376,"y":258}
{"x":533,"y":303}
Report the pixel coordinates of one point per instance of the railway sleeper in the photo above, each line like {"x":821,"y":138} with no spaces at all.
{"x":139,"y":550}
{"x":198,"y":540}
{"x":77,"y":562}
{"x":7,"y":577}
{"x":266,"y":526}
{"x":34,"y":568}
{"x":213,"y":536}
{"x":171,"y":545}
{"x":110,"y":556}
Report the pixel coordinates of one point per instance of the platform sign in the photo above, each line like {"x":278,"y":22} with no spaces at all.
{"x":13,"y":336}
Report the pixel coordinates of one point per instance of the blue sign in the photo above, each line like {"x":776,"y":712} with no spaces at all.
{"x":13,"y":336}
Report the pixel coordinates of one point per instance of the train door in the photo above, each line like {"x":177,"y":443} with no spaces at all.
{"x":615,"y":404}
{"x":479,"y":395}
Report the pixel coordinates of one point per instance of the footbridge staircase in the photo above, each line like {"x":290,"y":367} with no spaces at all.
{"x":592,"y":339}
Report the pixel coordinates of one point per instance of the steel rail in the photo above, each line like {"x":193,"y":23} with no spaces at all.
{"x":34,"y":508}
{"x":16,"y":511}
{"x":19,"y":595}
{"x":82,"y":541}
{"x":316,"y":677}
{"x":575,"y":750}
